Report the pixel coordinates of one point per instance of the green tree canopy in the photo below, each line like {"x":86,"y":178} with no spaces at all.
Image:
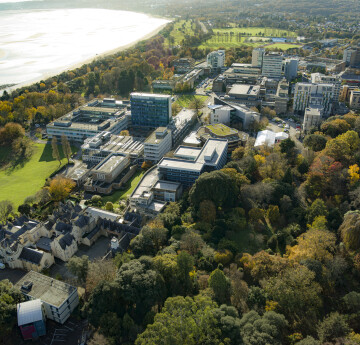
{"x":215,"y":186}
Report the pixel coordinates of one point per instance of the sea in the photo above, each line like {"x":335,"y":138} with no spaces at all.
{"x":39,"y":41}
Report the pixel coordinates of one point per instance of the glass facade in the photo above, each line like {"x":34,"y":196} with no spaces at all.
{"x":150,"y":111}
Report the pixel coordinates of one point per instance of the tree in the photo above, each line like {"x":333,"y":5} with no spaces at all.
{"x":10,"y":132}
{"x":140,"y":285}
{"x":66,"y":147}
{"x":124,"y":133}
{"x":6,"y":208}
{"x":149,"y":241}
{"x":317,"y":208}
{"x":183,"y":321}
{"x":318,"y":244}
{"x":332,"y":327}
{"x":287,"y":145}
{"x":60,"y":188}
{"x":55,"y":149}
{"x":207,"y":211}
{"x":79,"y":266}
{"x":350,"y":230}
{"x":9,"y":297}
{"x":266,"y":329}
{"x":185,"y":264}
{"x":24,"y":209}
{"x":354,"y":175}
{"x":215,"y":186}
{"x":297,"y":295}
{"x":238,"y":153}
{"x":109,"y":206}
{"x":197,"y":103}
{"x":308,"y":341}
{"x":315,"y":142}
{"x":220,"y":285}
{"x":22,"y":148}
{"x":335,"y":127}
{"x":274,"y":167}
{"x":99,"y":270}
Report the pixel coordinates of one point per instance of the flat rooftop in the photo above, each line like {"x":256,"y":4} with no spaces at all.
{"x":149,"y":95}
{"x":245,"y":89}
{"x":166,"y":185}
{"x":110,"y":164}
{"x":47,"y":289}
{"x":314,"y":111}
{"x":208,"y":155}
{"x":117,"y":144}
{"x":187,"y":152}
{"x":155,"y":138}
{"x":146,"y":183}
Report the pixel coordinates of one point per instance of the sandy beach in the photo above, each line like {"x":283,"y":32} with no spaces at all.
{"x":40,"y":55}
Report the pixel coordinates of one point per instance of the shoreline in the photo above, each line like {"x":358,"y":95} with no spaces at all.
{"x":71,"y":67}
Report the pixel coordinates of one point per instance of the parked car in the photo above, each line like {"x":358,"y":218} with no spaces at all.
{"x":2,"y":266}
{"x":287,"y":126}
{"x":280,"y":125}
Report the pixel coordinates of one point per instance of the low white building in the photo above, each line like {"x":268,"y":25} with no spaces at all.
{"x":157,"y":144}
{"x":59,"y":299}
{"x":269,"y":138}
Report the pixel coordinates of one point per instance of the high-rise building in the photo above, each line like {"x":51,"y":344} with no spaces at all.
{"x":216,"y":59}
{"x":272,"y":65}
{"x":351,"y":56}
{"x":257,"y":57}
{"x":150,"y":110}
{"x":291,"y":68}
{"x":315,"y":95}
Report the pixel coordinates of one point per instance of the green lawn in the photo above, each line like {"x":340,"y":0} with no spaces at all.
{"x":123,"y":194}
{"x":181,"y":28}
{"x":283,"y":46}
{"x":185,"y":100}
{"x":27,"y":178}
{"x":252,"y":37}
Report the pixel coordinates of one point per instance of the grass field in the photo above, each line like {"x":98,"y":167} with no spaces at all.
{"x":123,"y":194}
{"x":27,"y":178}
{"x":185,"y":100}
{"x":252,"y":37}
{"x":283,"y":46}
{"x":181,"y":28}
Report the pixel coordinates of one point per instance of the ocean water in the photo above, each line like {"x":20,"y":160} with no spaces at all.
{"x":36,"y":44}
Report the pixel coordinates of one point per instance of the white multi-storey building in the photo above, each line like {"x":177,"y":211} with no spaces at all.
{"x":257,"y":57}
{"x":157,"y":144}
{"x":216,"y":59}
{"x":319,"y":78}
{"x":272,"y":65}
{"x":316,"y":95}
